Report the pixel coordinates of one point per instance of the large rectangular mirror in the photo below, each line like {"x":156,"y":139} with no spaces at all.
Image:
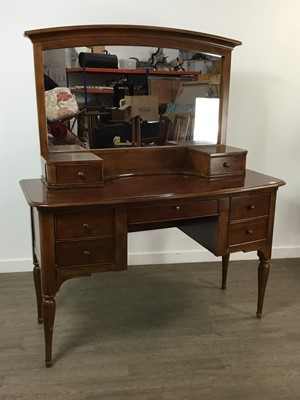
{"x":111,"y":86}
{"x":179,"y":89}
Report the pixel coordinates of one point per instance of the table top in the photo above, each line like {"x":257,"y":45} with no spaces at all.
{"x":146,"y":188}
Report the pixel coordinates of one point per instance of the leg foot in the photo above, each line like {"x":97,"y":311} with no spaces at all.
{"x":225,"y":262}
{"x":262,"y":275}
{"x":49,"y":315}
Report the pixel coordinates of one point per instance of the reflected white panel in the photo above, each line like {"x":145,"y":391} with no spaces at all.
{"x":206,"y":119}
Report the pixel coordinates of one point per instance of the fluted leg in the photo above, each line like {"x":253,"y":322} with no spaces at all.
{"x":49,"y":315}
{"x":225,"y":262}
{"x":263,"y":275}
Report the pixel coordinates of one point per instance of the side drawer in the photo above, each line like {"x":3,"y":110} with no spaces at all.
{"x":79,"y":173}
{"x":243,"y":207}
{"x":248,"y":231}
{"x":227,"y":165}
{"x":84,"y":224}
{"x":218,"y":160}
{"x":84,"y":252}
{"x":139,"y":215}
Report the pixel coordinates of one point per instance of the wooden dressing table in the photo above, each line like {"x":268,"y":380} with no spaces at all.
{"x":88,"y":200}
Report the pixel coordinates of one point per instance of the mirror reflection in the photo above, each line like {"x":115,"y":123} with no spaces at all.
{"x":118,"y":96}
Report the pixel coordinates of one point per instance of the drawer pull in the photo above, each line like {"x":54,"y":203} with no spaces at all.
{"x":177,"y":208}
{"x":251,"y":207}
{"x":249,"y":232}
{"x":85,"y":225}
{"x":86,"y":252}
{"x":226,"y":165}
{"x":80,"y":174}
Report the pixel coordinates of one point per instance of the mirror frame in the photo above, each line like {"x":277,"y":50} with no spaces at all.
{"x":128,"y":35}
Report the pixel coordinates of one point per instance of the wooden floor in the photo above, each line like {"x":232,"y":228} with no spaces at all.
{"x":157,"y":333}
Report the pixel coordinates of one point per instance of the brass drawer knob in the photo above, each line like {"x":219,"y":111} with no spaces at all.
{"x":80,"y":174}
{"x":249,"y":232}
{"x":177,"y":208}
{"x":226,"y":165}
{"x":85,"y":225}
{"x":251,"y":207}
{"x":86,"y":252}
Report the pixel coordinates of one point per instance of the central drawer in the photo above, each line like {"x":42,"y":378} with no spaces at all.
{"x":84,"y":252}
{"x":140,"y":215}
{"x":84,"y":224}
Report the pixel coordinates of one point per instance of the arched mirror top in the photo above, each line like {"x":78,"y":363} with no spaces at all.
{"x":188,"y":45}
{"x":140,"y":35}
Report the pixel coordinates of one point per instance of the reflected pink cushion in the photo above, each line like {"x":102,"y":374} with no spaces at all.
{"x":60,"y":104}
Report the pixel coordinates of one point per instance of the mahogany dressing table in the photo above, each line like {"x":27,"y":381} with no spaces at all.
{"x":87,"y":200}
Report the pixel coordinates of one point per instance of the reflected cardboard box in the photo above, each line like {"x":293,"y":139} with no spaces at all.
{"x":146,"y":107}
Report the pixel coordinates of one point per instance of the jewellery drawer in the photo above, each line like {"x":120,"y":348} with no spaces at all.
{"x":78,"y":169}
{"x":243,"y":207}
{"x":84,"y":252}
{"x":139,"y":215}
{"x":213,"y":161}
{"x":79,"y":173}
{"x":84,"y":224}
{"x":227,"y":165}
{"x":248,"y":231}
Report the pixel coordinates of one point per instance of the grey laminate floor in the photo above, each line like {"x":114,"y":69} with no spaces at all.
{"x":157,"y":333}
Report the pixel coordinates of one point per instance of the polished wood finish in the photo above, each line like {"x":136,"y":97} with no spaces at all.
{"x":171,"y":212}
{"x":87,"y":201}
{"x":76,"y":169}
{"x":85,"y":230}
{"x":213,"y":161}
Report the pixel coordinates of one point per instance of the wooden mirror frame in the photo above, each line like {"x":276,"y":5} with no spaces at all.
{"x":128,"y":35}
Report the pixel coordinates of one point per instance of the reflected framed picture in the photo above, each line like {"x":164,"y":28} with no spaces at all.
{"x":181,"y":126}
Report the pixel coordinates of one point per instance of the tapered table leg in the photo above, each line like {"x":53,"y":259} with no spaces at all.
{"x":262,"y":275}
{"x":49,"y":315}
{"x":225,"y":262}
{"x":38,"y":291}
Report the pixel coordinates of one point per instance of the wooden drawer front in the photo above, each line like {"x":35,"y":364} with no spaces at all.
{"x":84,"y":252}
{"x":79,"y":173}
{"x":138,"y":215}
{"x":249,"y":206}
{"x":85,"y":224}
{"x":227,"y":165}
{"x":247,"y":231}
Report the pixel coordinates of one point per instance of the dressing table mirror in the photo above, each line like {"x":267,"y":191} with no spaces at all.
{"x":140,"y":158}
{"x":180,"y":77}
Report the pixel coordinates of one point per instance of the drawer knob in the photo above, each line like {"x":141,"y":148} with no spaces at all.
{"x":86,"y":252}
{"x":251,"y":207}
{"x":80,"y":174}
{"x":249,"y":232}
{"x":226,"y":165}
{"x":177,"y":208}
{"x":85,"y":225}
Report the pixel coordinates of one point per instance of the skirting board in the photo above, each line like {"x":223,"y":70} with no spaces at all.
{"x":171,"y":257}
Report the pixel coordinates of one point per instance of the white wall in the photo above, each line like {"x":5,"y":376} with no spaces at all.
{"x":264,"y":112}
